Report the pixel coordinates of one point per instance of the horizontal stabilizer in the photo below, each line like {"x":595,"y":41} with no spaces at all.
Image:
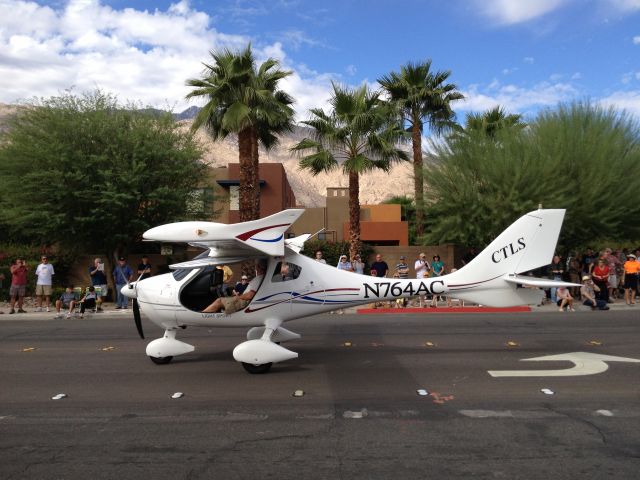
{"x":538,"y":282}
{"x":296,"y":244}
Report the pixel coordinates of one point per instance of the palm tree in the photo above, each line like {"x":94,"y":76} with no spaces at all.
{"x":245,"y":101}
{"x":355,"y":135}
{"x":492,"y":121}
{"x":421,"y":96}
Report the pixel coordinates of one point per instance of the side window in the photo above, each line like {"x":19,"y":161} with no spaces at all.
{"x":285,"y":271}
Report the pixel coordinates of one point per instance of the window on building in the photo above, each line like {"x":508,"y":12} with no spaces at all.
{"x":200,"y":202}
{"x":234,"y":197}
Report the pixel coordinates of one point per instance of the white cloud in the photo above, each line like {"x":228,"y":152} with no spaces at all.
{"x":636,"y":40}
{"x":528,"y":60}
{"x":143,"y":56}
{"x":515,"y":99}
{"x":351,"y":70}
{"x":510,"y":12}
{"x":629,"y":101}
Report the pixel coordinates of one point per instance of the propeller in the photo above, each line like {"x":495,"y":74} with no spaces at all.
{"x":137,"y":318}
{"x":136,"y":308}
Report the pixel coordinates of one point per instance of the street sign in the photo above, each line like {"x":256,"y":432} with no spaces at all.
{"x":584,"y":363}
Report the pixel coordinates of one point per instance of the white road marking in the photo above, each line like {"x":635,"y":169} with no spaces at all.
{"x":604,"y":413}
{"x":585,"y":363}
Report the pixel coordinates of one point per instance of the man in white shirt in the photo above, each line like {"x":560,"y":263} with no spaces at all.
{"x":421,"y":266}
{"x":44,"y":272}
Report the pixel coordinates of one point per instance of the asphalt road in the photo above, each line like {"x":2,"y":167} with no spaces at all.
{"x":360,"y":417}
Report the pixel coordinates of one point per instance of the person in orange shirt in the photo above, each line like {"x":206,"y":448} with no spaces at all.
{"x":631,"y":270}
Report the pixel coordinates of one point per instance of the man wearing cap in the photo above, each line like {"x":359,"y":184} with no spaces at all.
{"x":631,"y":270}
{"x":241,"y":286}
{"x":122,"y":275}
{"x":402,"y":269}
{"x":44,"y":272}
{"x":588,"y":294}
{"x":344,"y":264}
{"x":421,"y":266}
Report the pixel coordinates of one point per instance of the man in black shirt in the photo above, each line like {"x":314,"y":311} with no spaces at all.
{"x":144,"y":268}
{"x":380,"y":266}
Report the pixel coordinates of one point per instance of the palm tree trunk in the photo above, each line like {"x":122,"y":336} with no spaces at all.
{"x":247,"y":177}
{"x":354,"y":214}
{"x":255,"y":159}
{"x":416,"y":137}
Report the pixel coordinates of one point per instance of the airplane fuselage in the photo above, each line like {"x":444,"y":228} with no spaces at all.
{"x":317,"y":288}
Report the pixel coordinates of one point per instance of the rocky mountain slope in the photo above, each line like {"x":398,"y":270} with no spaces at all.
{"x":310,"y":190}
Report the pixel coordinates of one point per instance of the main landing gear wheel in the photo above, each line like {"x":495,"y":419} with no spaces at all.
{"x":251,"y":368}
{"x":161,"y":360}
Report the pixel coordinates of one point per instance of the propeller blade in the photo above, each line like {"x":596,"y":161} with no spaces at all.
{"x":137,"y":317}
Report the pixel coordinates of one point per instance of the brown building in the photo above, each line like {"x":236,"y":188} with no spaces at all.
{"x":379,"y":224}
{"x":275,"y":192}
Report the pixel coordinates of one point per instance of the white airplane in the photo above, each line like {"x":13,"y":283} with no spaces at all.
{"x":175,"y":300}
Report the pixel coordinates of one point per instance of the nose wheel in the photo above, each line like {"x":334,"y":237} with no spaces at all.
{"x":257,"y":369}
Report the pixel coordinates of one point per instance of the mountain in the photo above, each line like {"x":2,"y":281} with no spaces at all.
{"x":310,"y":190}
{"x":188,"y":114}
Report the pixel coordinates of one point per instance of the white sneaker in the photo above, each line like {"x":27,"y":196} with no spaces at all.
{"x":68,"y":315}
{"x":48,"y":309}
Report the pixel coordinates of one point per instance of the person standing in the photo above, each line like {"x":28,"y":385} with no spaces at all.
{"x":437,"y":270}
{"x":122,"y":275}
{"x":631,"y":271}
{"x":18,"y":287}
{"x":319,"y":257}
{"x":44,"y":285}
{"x":99,"y":281}
{"x":144,"y":268}
{"x":344,"y":264}
{"x":421,"y":266}
{"x":402,"y":269}
{"x":556,"y":269}
{"x":380,"y":266}
{"x":357,"y":264}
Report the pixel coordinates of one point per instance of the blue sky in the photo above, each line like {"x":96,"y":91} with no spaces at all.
{"x":522,"y":54}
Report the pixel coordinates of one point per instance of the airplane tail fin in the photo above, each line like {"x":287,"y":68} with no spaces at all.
{"x":527,"y":244}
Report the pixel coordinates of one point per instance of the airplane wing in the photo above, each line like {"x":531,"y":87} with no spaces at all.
{"x":241,"y":240}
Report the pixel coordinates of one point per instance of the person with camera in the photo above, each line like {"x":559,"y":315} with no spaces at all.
{"x":98,"y":281}
{"x":18,"y":284}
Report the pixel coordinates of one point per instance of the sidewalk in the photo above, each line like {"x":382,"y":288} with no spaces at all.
{"x":108,"y":308}
{"x":546,"y":307}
